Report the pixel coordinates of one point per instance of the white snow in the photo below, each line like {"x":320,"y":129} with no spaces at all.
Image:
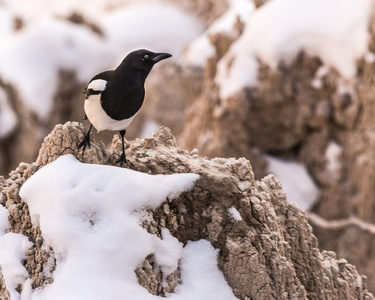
{"x":198,"y":52}
{"x":4,"y":224}
{"x":235,"y":72}
{"x":31,"y":58}
{"x":32,"y":11}
{"x":334,"y":30}
{"x":154,"y":25}
{"x":235,"y":214}
{"x":169,"y":253}
{"x":91,"y":215}
{"x":13,"y":248}
{"x":8,"y":118}
{"x":87,"y":214}
{"x":319,"y":74}
{"x":370,"y":57}
{"x":296,"y":181}
{"x":201,"y":48}
{"x":149,"y":127}
{"x":201,"y":278}
{"x":6,"y":22}
{"x":332,"y":155}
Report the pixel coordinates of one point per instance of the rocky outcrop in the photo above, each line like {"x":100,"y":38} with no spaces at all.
{"x":17,"y":143}
{"x":302,"y":111}
{"x":23,"y":142}
{"x":164,"y":105}
{"x":267,"y":249}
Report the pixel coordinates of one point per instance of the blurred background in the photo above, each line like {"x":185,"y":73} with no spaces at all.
{"x":288,"y":84}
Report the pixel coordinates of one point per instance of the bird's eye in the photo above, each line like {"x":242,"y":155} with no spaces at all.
{"x":145,"y":57}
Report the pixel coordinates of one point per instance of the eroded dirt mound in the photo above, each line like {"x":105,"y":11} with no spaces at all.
{"x":267,"y":249}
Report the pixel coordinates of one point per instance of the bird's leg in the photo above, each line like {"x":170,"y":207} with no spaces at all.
{"x":122,"y":158}
{"x":86,"y":141}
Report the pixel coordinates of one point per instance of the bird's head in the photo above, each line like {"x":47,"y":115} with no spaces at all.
{"x":144,"y":59}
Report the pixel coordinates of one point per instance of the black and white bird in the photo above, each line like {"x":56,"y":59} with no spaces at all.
{"x":113,"y":98}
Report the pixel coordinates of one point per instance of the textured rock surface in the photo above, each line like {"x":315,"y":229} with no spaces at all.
{"x":165,"y":105}
{"x":18,"y":145}
{"x":268,"y":253}
{"x":297,"y":112}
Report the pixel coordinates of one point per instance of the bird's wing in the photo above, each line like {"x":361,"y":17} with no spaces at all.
{"x":98,"y":84}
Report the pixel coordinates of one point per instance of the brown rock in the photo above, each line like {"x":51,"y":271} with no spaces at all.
{"x":267,"y":253}
{"x":294,"y":115}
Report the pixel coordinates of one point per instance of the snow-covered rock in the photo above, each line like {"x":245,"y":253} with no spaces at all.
{"x":172,"y":224}
{"x":280,"y":29}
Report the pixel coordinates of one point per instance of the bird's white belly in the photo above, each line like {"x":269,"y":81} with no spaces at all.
{"x":99,"y":119}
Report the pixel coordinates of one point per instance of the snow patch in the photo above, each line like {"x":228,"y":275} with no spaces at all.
{"x":31,"y":11}
{"x":150,"y":25}
{"x":319,"y":75}
{"x":8,"y":118}
{"x":169,"y":253}
{"x":30,"y":58}
{"x":236,"y":71}
{"x":235,"y":214}
{"x":279,"y":29}
{"x":4,"y":224}
{"x":201,"y":278}
{"x":296,"y":181}
{"x":370,"y":57}
{"x":149,"y":128}
{"x":91,"y":216}
{"x":6,"y":22}
{"x":332,"y":155}
{"x":13,"y":248}
{"x":201,"y":48}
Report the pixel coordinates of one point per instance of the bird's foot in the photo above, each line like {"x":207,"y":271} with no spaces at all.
{"x":122,"y":159}
{"x":85,"y":143}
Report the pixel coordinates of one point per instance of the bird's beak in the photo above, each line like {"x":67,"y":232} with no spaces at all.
{"x":160,"y":56}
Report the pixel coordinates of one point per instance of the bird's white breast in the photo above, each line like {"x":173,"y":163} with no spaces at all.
{"x":98,"y":117}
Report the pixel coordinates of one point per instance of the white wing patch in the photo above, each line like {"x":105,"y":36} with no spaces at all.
{"x":97,"y":85}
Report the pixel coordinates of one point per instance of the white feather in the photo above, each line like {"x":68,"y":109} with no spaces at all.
{"x":97,"y":85}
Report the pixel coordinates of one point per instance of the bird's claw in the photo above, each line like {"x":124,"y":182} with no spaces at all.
{"x":122,"y":159}
{"x":84,"y":144}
